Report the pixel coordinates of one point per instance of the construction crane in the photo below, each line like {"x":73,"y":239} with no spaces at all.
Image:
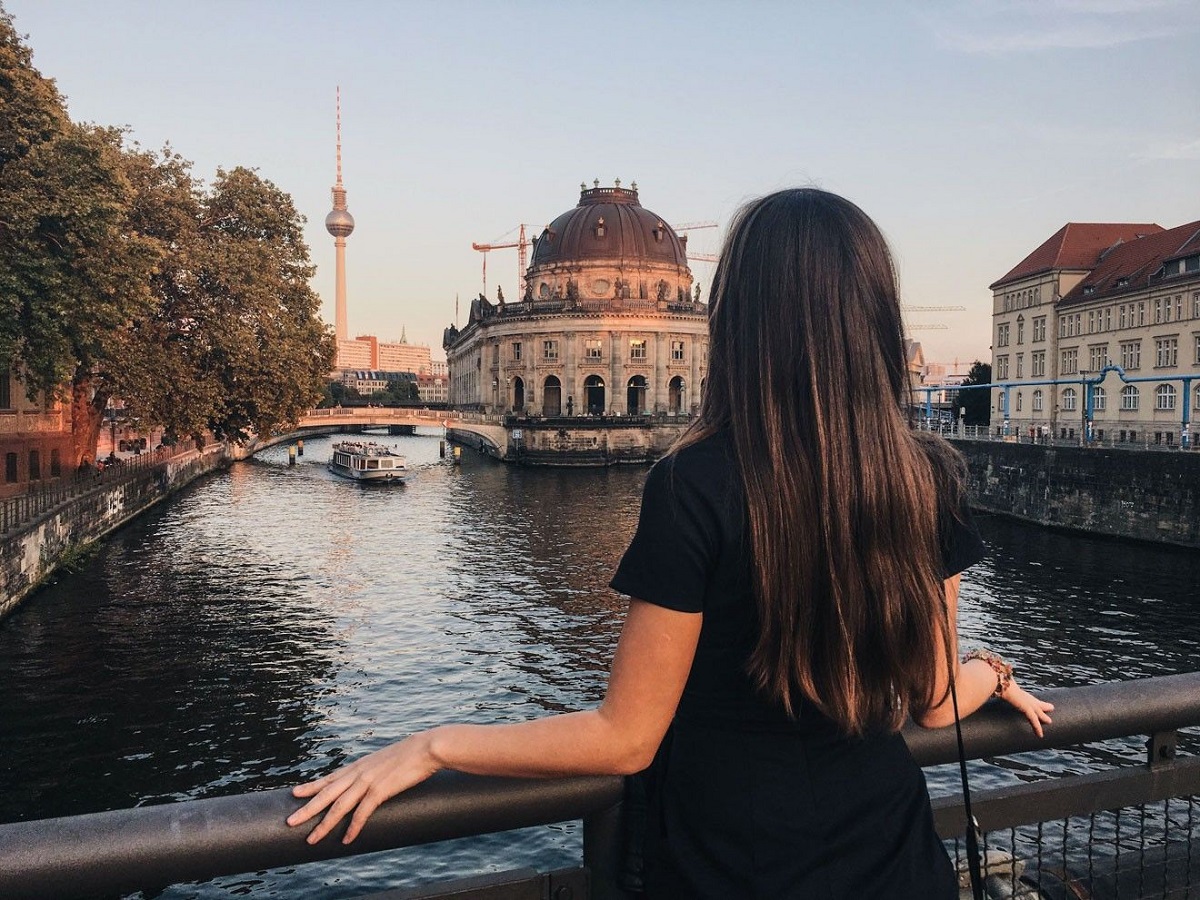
{"x":522,"y":246}
{"x":907,"y":308}
{"x":693,"y":226}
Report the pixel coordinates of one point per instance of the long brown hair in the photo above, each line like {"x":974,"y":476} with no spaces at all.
{"x":808,"y":370}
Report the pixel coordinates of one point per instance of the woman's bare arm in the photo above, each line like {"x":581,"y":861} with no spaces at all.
{"x":653,"y":658}
{"x":975,"y":682}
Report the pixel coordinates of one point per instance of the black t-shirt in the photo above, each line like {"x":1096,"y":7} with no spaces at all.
{"x":691,"y":553}
{"x":745,"y":801}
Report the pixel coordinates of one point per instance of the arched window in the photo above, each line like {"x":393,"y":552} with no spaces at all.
{"x":1037,"y":400}
{"x":1020,"y":330}
{"x":518,"y":395}
{"x":1129,"y":397}
{"x":1068,"y":399}
{"x":1164,"y":396}
{"x":1099,"y":398}
{"x":552,"y":396}
{"x":1019,"y":398}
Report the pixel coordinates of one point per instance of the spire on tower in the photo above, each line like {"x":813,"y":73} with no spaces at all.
{"x":339,"y":135}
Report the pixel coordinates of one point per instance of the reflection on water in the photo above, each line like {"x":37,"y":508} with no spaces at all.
{"x":271,"y":621}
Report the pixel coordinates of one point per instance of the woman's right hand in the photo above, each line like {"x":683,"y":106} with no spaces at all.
{"x":1035,"y":710}
{"x":363,"y":785}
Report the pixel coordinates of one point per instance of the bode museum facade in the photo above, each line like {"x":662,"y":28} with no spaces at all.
{"x":603,"y":357}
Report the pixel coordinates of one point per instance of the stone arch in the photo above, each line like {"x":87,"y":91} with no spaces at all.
{"x":593,"y":394}
{"x":635,"y":400}
{"x":518,"y":394}
{"x":675,"y":394}
{"x":552,"y":396}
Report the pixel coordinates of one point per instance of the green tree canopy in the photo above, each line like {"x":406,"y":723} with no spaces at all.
{"x":978,"y":403}
{"x":122,"y":275}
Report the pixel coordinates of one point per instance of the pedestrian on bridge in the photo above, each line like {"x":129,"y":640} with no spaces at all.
{"x":793,"y":602}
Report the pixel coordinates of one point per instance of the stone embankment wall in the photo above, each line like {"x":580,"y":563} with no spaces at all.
{"x":32,"y":552}
{"x":1145,"y":495}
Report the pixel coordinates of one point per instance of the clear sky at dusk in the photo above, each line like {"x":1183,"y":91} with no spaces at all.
{"x":970,"y":131}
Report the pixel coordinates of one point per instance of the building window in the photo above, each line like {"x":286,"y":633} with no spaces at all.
{"x":1141,"y":313}
{"x":1069,"y":364}
{"x":35,"y":465}
{"x":637,"y":348}
{"x":516,"y":351}
{"x":1164,"y":397}
{"x":1020,"y":329}
{"x":1129,"y":398}
{"x":1001,"y":367}
{"x":1019,"y":398}
{"x":1198,"y":348}
{"x":1099,"y":398}
{"x":1124,"y":318}
{"x":1108,"y":317}
{"x":55,"y":462}
{"x":1020,"y":364}
{"x":1196,"y":306}
{"x":593,"y":349}
{"x":1166,"y":353}
{"x":1068,"y":399}
{"x":1037,"y":363}
{"x":1131,"y":355}
{"x":6,"y":390}
{"x":1097,"y":357}
{"x":1039,"y":329}
{"x":677,"y":350}
{"x":1037,"y":400}
{"x":1158,"y":311}
{"x":1091,"y":321}
{"x":549,"y":349}
{"x":10,"y":467}
{"x":1002,"y":335}
{"x":495,"y":354}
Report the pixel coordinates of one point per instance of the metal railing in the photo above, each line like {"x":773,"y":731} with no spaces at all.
{"x":44,"y":497}
{"x":1047,"y":821}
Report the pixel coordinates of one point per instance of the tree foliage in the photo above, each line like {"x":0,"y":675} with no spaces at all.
{"x":978,"y":403}
{"x":123,"y":275}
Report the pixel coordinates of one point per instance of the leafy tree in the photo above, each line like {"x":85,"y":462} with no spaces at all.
{"x":234,"y":344}
{"x":71,"y":270}
{"x":978,"y":403}
{"x":400,"y":392}
{"x":120,"y":275}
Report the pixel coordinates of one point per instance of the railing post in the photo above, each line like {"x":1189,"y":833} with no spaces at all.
{"x":604,"y":853}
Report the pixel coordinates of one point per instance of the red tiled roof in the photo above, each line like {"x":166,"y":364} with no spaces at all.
{"x":1077,"y":245}
{"x":1135,"y":265}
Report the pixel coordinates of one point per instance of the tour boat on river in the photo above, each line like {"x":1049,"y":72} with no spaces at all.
{"x":366,"y":461}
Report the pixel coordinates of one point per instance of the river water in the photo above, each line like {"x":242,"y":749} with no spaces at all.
{"x":271,"y":621}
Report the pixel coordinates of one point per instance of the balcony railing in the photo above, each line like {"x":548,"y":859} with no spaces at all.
{"x":1124,"y":832}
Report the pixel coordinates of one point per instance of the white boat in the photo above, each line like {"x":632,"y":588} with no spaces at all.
{"x":366,"y":461}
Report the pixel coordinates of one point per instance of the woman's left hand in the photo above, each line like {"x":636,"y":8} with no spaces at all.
{"x":1035,"y":710}
{"x":363,"y":785}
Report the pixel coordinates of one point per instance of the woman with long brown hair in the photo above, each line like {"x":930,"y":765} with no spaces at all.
{"x":794,"y":584}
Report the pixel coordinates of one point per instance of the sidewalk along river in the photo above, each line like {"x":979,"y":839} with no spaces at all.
{"x":271,"y":621}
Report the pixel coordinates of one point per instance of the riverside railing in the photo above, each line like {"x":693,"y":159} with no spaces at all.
{"x":46,"y":496}
{"x":1047,"y":838}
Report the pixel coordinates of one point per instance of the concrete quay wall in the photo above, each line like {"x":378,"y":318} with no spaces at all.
{"x":33,"y":552}
{"x":1144,"y":495}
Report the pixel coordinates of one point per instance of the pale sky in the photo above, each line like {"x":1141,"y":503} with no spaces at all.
{"x":971,"y":131}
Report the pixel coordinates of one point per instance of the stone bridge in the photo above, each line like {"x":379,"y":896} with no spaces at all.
{"x":472,"y":429}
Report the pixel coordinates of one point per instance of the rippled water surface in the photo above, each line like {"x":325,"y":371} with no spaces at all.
{"x":270,"y":621}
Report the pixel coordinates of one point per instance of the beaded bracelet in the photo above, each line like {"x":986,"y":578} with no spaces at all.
{"x":1003,"y":670}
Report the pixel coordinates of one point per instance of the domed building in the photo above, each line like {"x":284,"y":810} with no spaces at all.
{"x":602,"y":358}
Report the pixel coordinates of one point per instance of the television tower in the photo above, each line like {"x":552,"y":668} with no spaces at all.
{"x":340,"y":224}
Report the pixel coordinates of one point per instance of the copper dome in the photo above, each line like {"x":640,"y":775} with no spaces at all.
{"x":610,"y":224}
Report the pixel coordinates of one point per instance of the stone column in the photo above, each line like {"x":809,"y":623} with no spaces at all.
{"x":691,"y":390}
{"x":657,"y":395}
{"x":570,"y":377}
{"x":616,"y":390}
